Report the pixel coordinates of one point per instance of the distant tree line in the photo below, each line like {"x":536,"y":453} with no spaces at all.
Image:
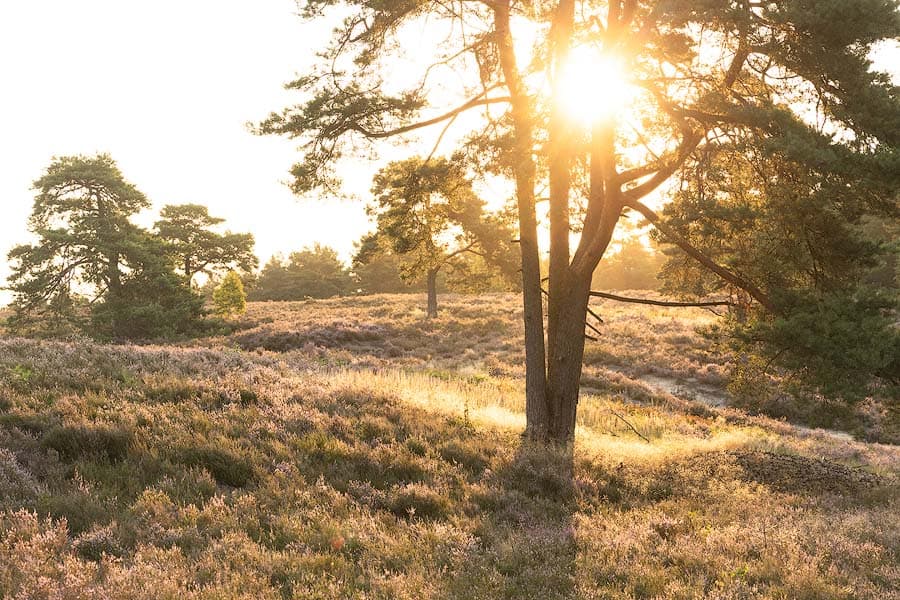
{"x":317,"y":272}
{"x":91,"y":270}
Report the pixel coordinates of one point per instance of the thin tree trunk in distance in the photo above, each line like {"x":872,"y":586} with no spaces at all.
{"x":432,"y":294}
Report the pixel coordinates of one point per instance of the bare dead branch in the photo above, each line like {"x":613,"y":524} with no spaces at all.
{"x":630,"y":426}
{"x":674,"y":303}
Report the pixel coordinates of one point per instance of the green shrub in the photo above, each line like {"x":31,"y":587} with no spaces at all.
{"x":80,"y":510}
{"x":75,"y":442}
{"x":418,"y":500}
{"x":34,"y":424}
{"x":175,"y":391}
{"x":371,"y":428}
{"x":417,"y":446}
{"x":194,"y":485}
{"x":227,"y":467}
{"x":467,"y":457}
{"x":248,"y":397}
{"x":97,"y":541}
{"x":229,"y":297}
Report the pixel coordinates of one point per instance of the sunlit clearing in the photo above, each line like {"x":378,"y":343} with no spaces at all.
{"x":593,"y":86}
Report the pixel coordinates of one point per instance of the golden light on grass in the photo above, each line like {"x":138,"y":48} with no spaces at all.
{"x":346,"y":463}
{"x":593,"y":86}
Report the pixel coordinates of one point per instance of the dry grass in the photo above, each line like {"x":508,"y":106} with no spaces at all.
{"x":645,"y":353}
{"x":476,"y":335}
{"x":377,"y":456}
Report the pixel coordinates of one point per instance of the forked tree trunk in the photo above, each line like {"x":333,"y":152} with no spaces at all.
{"x":553,"y":371}
{"x":432,"y":294}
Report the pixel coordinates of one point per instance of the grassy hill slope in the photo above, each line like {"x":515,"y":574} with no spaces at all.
{"x":367,"y":454}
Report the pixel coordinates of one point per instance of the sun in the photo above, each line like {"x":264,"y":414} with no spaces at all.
{"x":593,"y":86}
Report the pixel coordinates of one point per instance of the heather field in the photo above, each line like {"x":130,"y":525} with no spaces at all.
{"x":350,"y":448}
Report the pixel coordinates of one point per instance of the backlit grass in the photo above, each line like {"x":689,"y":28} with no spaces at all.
{"x":340,"y":472}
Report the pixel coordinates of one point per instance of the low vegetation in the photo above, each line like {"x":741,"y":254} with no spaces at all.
{"x":349,"y":449}
{"x":641,"y":351}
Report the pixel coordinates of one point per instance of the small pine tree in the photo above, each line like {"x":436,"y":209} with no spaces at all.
{"x":229,"y":297}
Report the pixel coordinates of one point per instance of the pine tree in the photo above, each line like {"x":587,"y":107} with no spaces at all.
{"x":228,"y":297}
{"x":195,"y":248}
{"x":716,"y":89}
{"x":314,"y":272}
{"x":427,"y":212}
{"x":90,"y":260}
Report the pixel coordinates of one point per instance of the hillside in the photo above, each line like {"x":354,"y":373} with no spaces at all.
{"x":350,"y":449}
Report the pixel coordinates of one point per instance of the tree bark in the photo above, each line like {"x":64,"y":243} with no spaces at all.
{"x":432,"y":294}
{"x":113,"y":273}
{"x":560,"y":176}
{"x":565,"y":355}
{"x":108,"y":237}
{"x":536,"y":410}
{"x":569,"y":298}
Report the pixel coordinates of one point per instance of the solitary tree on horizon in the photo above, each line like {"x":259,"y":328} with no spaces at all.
{"x":428,"y":212}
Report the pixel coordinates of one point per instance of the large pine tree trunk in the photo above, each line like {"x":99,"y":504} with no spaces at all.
{"x":432,"y":294}
{"x":113,"y":273}
{"x":564,"y":358}
{"x":536,"y":409}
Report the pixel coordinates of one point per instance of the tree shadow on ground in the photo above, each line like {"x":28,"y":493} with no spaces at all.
{"x":516,"y":502}
{"x":526,"y":535}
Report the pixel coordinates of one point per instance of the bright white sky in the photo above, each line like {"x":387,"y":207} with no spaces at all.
{"x":167,"y":87}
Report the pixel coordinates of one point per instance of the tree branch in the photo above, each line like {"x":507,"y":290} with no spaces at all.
{"x":691,"y":137}
{"x":609,"y":296}
{"x":630,"y":426}
{"x":688,"y":144}
{"x":682,"y":242}
{"x":459,"y":251}
{"x":590,"y":312}
{"x":479,"y":101}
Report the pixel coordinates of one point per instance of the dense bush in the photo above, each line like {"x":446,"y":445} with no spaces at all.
{"x":157,"y":305}
{"x":229,"y":297}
